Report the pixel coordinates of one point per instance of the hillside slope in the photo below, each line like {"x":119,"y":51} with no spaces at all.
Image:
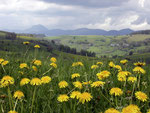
{"x":107,"y":45}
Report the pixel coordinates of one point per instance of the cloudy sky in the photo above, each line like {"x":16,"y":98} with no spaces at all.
{"x":73,"y":14}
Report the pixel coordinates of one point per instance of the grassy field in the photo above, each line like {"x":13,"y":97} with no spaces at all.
{"x":105,"y":45}
{"x":34,"y":80}
{"x":27,"y":38}
{"x":94,"y":84}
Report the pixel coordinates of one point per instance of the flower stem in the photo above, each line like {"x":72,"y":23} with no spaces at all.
{"x":139,"y":82}
{"x":26,"y":51}
{"x":74,"y":107}
{"x":3,"y":68}
{"x":106,"y":98}
{"x":33,"y":99}
{"x":64,"y":108}
{"x":47,"y":71}
{"x":132,"y":92}
{"x":2,"y":108}
{"x":87,"y":110}
{"x":116,"y":101}
{"x":21,"y":107}
{"x":10,"y":98}
{"x":15,"y":104}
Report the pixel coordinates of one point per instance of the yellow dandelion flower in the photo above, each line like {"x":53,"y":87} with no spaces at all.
{"x":24,"y":81}
{"x":12,"y":111}
{"x":111,"y":110}
{"x":116,"y":91}
{"x":85,"y":97}
{"x":77,"y":64}
{"x":111,"y":64}
{"x":5,"y":62}
{"x":63,"y":98}
{"x":75,"y":75}
{"x":118,"y":67}
{"x":6,"y":81}
{"x":18,"y":94}
{"x":37,"y":62}
{"x":53,"y":59}
{"x":26,"y":43}
{"x":94,"y":66}
{"x":140,"y":64}
{"x":97,"y":84}
{"x":123,"y":61}
{"x":124,"y":73}
{"x":34,"y":68}
{"x":139,"y":70}
{"x":131,"y":109}
{"x":63,"y":84}
{"x":23,"y":65}
{"x":80,"y":63}
{"x":103,"y":74}
{"x":87,"y":83}
{"x":35,"y":81}
{"x":53,"y":65}
{"x":74,"y":64}
{"x":121,"y":77}
{"x":99,"y":63}
{"x":141,"y":96}
{"x":77,"y":84}
{"x":36,"y":46}
{"x":75,"y":94}
{"x":46,"y":79}
{"x":132,"y":79}
{"x":1,"y":60}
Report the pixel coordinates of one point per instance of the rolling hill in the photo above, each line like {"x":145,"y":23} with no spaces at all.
{"x":106,"y":45}
{"x":40,"y":29}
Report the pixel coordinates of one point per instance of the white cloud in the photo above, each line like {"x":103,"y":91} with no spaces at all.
{"x":142,"y":26}
{"x":22,"y":14}
{"x":29,"y":5}
{"x":141,"y":2}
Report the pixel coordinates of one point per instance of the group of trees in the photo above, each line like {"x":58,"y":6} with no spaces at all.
{"x":32,"y":35}
{"x":141,"y":32}
{"x":67,"y":49}
{"x":51,"y":45}
{"x":11,"y":36}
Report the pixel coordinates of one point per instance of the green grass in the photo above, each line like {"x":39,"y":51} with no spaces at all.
{"x":139,"y":37}
{"x":27,"y":38}
{"x":2,"y":34}
{"x":46,"y":94}
{"x":103,"y":45}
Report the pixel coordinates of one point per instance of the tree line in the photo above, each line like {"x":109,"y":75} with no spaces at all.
{"x":52,"y":46}
{"x":82,"y":52}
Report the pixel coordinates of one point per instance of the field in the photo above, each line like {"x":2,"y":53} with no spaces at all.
{"x":35,"y":80}
{"x":106,"y":45}
{"x":65,"y":83}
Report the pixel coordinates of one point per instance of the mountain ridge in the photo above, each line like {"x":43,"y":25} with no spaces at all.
{"x":40,"y":29}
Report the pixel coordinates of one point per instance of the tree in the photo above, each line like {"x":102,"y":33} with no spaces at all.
{"x":131,"y":53}
{"x":11,"y":36}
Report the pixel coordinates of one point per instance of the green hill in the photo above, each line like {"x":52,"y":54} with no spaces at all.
{"x":107,"y":45}
{"x":12,"y":45}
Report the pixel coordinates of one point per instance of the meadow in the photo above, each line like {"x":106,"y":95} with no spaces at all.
{"x":106,"y":45}
{"x":40,"y":82}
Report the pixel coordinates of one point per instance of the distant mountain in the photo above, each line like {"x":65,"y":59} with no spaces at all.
{"x":40,"y":29}
{"x":85,"y":31}
{"x":120,"y":32}
{"x":37,"y":29}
